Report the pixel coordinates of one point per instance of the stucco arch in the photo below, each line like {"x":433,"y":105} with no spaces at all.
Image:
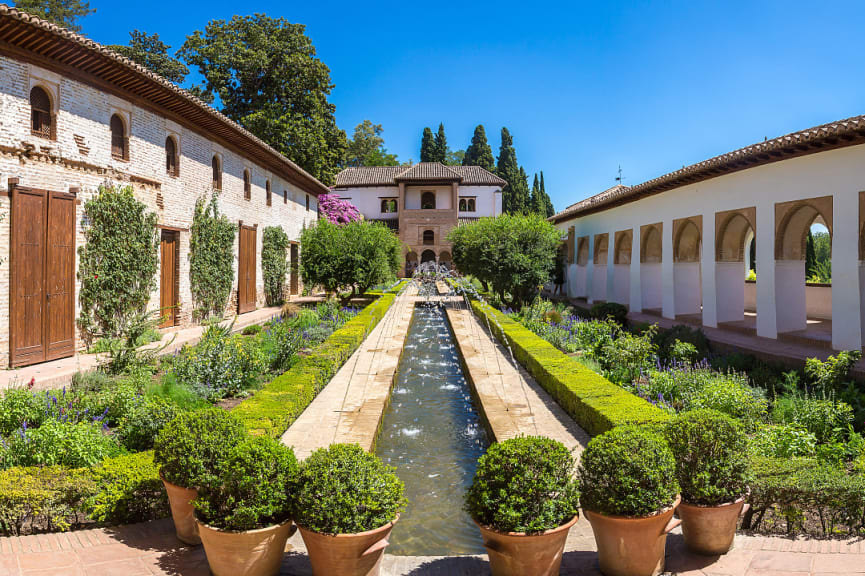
{"x":583,"y":251}
{"x":651,"y":243}
{"x":624,"y":243}
{"x":602,"y":242}
{"x":687,"y":239}
{"x":792,"y":222}
{"x":445,"y":259}
{"x":732,"y":230}
{"x":427,"y":256}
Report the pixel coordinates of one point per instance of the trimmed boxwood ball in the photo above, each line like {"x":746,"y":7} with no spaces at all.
{"x":711,"y":451}
{"x":524,"y":484}
{"x":188,"y":448}
{"x":344,"y":490}
{"x":628,"y":471}
{"x":252,"y":489}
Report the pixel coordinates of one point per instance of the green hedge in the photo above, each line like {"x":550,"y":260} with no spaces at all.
{"x":593,"y":402}
{"x":272,"y":409}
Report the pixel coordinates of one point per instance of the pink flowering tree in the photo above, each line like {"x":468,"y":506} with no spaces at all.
{"x":337,"y":210}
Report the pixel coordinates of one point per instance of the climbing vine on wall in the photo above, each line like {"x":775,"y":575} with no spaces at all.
{"x":274,"y":265}
{"x":118,"y":262}
{"x":211,"y":258}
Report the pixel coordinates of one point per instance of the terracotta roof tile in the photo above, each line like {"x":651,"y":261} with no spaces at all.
{"x":422,"y":172}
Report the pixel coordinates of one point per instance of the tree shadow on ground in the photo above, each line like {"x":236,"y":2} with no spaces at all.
{"x":452,"y":566}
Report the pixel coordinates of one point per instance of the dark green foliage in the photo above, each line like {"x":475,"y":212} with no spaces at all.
{"x":441,"y":145}
{"x":516,"y":254}
{"x":343,"y":489}
{"x":614,"y":310}
{"x":274,"y":263}
{"x":479,"y":152}
{"x":366,"y":148}
{"x":831,"y":375}
{"x":253,"y":487}
{"x":548,"y":202}
{"x":252,"y":330}
{"x":59,"y":443}
{"x":524,"y":484}
{"x":152,"y":53}
{"x":628,"y":471}
{"x":287,"y":339}
{"x":427,"y":146}
{"x":19,"y":405}
{"x":211,"y":259}
{"x":539,"y":202}
{"x":144,"y":421}
{"x":666,"y":340}
{"x":267,"y":77}
{"x":61,"y":12}
{"x":354,"y":256}
{"x":711,"y":451}
{"x":628,"y":356}
{"x":824,"y":417}
{"x":188,"y":448}
{"x":515,"y":198}
{"x":595,"y":403}
{"x":117,"y":262}
{"x":810,"y":256}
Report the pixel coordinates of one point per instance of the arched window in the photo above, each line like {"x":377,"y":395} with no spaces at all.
{"x":388,"y":206}
{"x":172,"y":161}
{"x":428,"y":200}
{"x":247,"y":185}
{"x":307,"y":202}
{"x":467,"y":204}
{"x":285,"y":196}
{"x":268,"y":193}
{"x":216,"y":167}
{"x":429,"y":238}
{"x":119,"y":141}
{"x":41,"y":119}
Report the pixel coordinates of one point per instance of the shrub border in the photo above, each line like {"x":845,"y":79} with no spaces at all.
{"x":595,"y":403}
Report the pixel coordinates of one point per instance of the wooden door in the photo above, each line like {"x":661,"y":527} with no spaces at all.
{"x":168,"y":278}
{"x":42,"y":325}
{"x":294,"y":281}
{"x":246,"y":270}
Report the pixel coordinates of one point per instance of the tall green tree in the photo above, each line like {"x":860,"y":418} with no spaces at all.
{"x":152,"y":53}
{"x":441,"y":145}
{"x":515,"y":198}
{"x":537,"y":205}
{"x":479,"y":152}
{"x":550,"y":209}
{"x":64,"y":13}
{"x":810,"y":256}
{"x":366,"y":148}
{"x":427,"y":146}
{"x":267,"y":77}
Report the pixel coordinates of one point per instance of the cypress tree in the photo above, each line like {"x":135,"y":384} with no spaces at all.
{"x":810,"y":256}
{"x":479,"y":152}
{"x":536,"y":202}
{"x":441,"y":145}
{"x":522,"y":199}
{"x":515,"y":198}
{"x":427,"y":146}
{"x":548,"y":203}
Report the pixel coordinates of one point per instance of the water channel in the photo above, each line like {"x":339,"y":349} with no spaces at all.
{"x":433,"y":435}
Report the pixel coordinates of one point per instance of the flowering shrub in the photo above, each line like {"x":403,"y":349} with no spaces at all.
{"x":337,"y":210}
{"x":70,"y":444}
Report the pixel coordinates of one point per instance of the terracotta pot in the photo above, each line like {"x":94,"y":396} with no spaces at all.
{"x":180,"y":500}
{"x":251,"y":553}
{"x":518,"y":553}
{"x":632,"y":546}
{"x":347,"y":554}
{"x":710,"y":530}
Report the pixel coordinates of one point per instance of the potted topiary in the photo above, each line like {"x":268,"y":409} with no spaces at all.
{"x":712,"y":468}
{"x":525,"y":498}
{"x":186,"y":451}
{"x":244,"y":513}
{"x":629,"y":495}
{"x":347,"y":503}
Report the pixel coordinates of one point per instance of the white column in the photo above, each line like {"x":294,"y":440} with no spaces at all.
{"x":766,"y":318}
{"x":846,"y":286}
{"x":707,"y":269}
{"x":667,"y":275}
{"x":636,"y":295}
{"x":590,"y":271}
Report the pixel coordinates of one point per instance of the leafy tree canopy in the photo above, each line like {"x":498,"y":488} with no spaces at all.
{"x":366,"y":148}
{"x":151,"y":52}
{"x":515,"y":254}
{"x":267,"y":77}
{"x":479,"y":152}
{"x":61,"y":12}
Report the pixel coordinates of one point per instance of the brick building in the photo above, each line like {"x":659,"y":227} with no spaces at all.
{"x":422,"y":202}
{"x":74,"y":116}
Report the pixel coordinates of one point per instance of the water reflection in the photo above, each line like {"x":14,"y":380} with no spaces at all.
{"x":433,"y":435}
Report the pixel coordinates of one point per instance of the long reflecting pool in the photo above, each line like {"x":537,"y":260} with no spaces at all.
{"x":433,"y":435}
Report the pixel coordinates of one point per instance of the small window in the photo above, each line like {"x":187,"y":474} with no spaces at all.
{"x":268,"y":194}
{"x":467,"y":204}
{"x":285,"y":196}
{"x":428,"y":200}
{"x":307,"y":202}
{"x":119,"y":140}
{"x":41,"y":119}
{"x":172,"y":161}
{"x":216,"y":166}
{"x":429,"y":238}
{"x":247,"y":185}
{"x":388,"y":206}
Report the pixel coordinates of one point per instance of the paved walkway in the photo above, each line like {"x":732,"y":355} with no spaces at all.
{"x":350,"y":407}
{"x":58,"y":373}
{"x":151,"y":549}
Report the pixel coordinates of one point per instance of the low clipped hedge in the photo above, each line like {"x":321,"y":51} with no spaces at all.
{"x":595,"y":403}
{"x":271,"y":410}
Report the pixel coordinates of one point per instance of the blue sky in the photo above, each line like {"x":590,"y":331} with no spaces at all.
{"x":583,"y":87}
